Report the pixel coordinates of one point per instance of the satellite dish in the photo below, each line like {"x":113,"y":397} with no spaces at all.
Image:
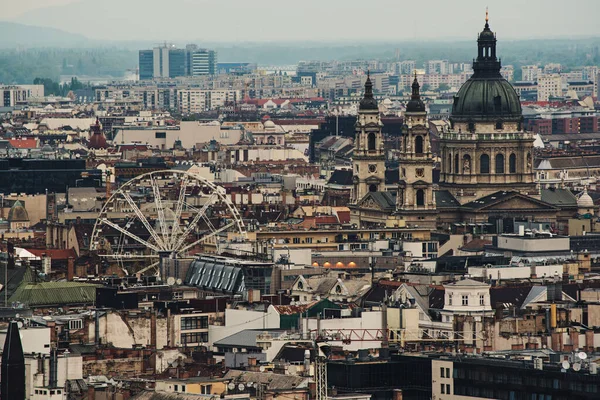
{"x":582,"y":355}
{"x":262,"y":368}
{"x":179,"y":281}
{"x":231,"y":386}
{"x":20,"y":324}
{"x":241,"y":387}
{"x":577,"y":367}
{"x":565,"y":364}
{"x":250,"y":384}
{"x":170,"y":281}
{"x":47,"y":318}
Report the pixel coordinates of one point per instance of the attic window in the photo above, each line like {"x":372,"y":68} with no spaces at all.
{"x":338,"y":289}
{"x":300,"y":285}
{"x":499,"y":125}
{"x":471,"y":127}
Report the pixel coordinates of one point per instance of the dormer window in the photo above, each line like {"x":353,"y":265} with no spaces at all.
{"x":471,"y":127}
{"x":300,"y":285}
{"x":499,"y":125}
{"x":338,"y":289}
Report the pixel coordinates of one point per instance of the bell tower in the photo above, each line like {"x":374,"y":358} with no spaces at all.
{"x":368,"y":162}
{"x":415,"y":197}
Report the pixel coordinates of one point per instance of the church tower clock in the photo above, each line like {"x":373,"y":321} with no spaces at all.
{"x":368,"y":161}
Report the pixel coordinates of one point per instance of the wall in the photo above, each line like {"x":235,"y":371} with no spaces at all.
{"x":34,"y":340}
{"x":539,"y":244}
{"x":238,"y":320}
{"x":123,"y":330}
{"x":371,"y":320}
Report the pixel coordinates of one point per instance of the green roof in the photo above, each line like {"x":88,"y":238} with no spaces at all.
{"x":54,"y":293}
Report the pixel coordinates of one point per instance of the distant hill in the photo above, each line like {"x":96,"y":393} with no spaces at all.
{"x":14,"y":35}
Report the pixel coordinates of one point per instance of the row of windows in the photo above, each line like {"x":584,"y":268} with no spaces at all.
{"x":465,"y":300}
{"x":45,"y":392}
{"x":484,"y":164}
{"x":200,"y":322}
{"x":194,"y":337}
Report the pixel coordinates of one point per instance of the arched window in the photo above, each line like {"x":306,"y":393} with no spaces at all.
{"x":484,"y":164}
{"x":419,"y":144}
{"x":512,"y":164}
{"x":371,"y":141}
{"x":449,"y":163}
{"x":372,"y":188}
{"x":420,"y":197}
{"x":456,"y":164}
{"x":471,"y":127}
{"x":499,"y":125}
{"x":500,"y":163}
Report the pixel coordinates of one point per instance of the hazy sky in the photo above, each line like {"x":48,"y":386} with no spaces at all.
{"x":320,"y":20}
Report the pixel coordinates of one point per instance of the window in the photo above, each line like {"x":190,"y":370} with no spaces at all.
{"x":372,"y":188}
{"x":484,"y":164}
{"x":371,"y":141}
{"x":160,"y":135}
{"x":194,"y":337}
{"x":207,"y":389}
{"x":512,"y":164}
{"x":420,"y":197}
{"x":449,"y":163}
{"x":450,"y":299}
{"x":456,"y":163}
{"x":442,"y":372}
{"x":443,"y":388}
{"x":419,"y":144}
{"x":75,"y":324}
{"x":500,"y":163}
{"x":465,"y":300}
{"x":481,"y":300}
{"x":447,"y":389}
{"x":183,"y":388}
{"x":471,"y":127}
{"x":448,"y":373}
{"x":199,"y":322}
{"x":176,"y":387}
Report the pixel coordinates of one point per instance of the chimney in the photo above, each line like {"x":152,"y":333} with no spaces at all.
{"x":70,"y":269}
{"x":397,"y":394}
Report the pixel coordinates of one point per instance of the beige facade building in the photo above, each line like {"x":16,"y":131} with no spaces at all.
{"x":549,"y":85}
{"x":486,"y":150}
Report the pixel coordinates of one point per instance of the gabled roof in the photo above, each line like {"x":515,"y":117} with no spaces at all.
{"x":559,"y":197}
{"x":386,"y":201}
{"x":445,"y":199}
{"x":467,"y":283}
{"x":54,"y":293}
{"x":497,"y":198}
{"x":341,"y":177}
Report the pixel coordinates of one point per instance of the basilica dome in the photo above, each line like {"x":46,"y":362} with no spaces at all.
{"x":486,"y":96}
{"x":368,"y":102}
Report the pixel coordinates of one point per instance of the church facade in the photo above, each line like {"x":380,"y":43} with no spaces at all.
{"x":486,"y":181}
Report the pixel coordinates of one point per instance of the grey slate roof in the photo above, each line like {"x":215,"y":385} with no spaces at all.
{"x":444,"y":199}
{"x":273,"y":381}
{"x":559,"y":197}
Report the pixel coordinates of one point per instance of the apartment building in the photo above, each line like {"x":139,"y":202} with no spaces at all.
{"x":549,"y":86}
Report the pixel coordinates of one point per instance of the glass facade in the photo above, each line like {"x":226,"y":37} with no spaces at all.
{"x":146,"y":64}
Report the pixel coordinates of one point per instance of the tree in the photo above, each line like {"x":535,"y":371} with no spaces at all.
{"x":443,"y":86}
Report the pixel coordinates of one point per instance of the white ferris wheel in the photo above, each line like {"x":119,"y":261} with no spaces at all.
{"x":165,"y":214}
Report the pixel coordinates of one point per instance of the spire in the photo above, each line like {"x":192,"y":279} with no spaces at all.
{"x":415,"y":89}
{"x":368,"y":102}
{"x":487,"y":63}
{"x":415,"y":104}
{"x":12,"y":383}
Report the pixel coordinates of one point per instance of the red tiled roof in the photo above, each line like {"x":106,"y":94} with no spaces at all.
{"x":29,"y":143}
{"x":55,"y":254}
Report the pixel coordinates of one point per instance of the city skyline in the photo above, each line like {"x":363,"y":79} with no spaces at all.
{"x":267,"y":20}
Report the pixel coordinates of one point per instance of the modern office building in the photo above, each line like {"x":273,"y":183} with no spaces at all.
{"x":200,"y":61}
{"x":168,"y":61}
{"x":146,"y":64}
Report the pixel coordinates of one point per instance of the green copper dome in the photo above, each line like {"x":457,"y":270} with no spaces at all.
{"x":486,"y":96}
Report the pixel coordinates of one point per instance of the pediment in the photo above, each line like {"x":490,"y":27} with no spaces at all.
{"x":515,"y":202}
